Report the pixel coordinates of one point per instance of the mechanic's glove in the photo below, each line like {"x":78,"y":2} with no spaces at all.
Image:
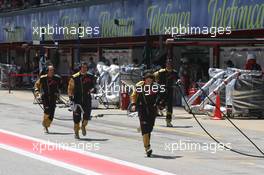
{"x":179,"y":82}
{"x":161,"y":104}
{"x":37,"y":95}
{"x":71,"y":98}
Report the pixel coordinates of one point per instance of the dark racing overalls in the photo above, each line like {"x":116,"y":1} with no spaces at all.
{"x":147,"y":110}
{"x":167,"y":78}
{"x":79,"y":90}
{"x":49,"y":88}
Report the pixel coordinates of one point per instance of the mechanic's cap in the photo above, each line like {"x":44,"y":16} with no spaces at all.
{"x":148,"y":74}
{"x":251,"y":56}
{"x":83,"y":63}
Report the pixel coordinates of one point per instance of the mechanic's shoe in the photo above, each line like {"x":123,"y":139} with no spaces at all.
{"x":169,"y":125}
{"x":76,"y":131}
{"x":83,"y":131}
{"x":46,"y":123}
{"x":149,"y":152}
{"x":168,"y":121}
{"x":146,"y":141}
{"x":76,"y":136}
{"x":46,"y":130}
{"x":84,"y":124}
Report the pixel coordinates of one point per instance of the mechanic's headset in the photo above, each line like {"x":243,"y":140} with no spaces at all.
{"x":81,"y":64}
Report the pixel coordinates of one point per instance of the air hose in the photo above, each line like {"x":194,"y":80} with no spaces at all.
{"x":212,"y":137}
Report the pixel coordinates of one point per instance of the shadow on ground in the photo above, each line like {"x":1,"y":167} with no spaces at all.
{"x":165,"y":157}
{"x":60,"y":133}
{"x":91,"y":139}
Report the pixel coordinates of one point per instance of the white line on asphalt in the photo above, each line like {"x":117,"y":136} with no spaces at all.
{"x":47,"y":160}
{"x":121,"y":162}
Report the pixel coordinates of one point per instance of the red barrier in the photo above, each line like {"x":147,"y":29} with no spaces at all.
{"x":23,"y":75}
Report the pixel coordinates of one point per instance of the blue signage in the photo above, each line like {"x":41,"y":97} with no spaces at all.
{"x":131,"y":18}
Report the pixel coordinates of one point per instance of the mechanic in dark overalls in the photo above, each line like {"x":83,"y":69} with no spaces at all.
{"x":80,"y":87}
{"x":47,"y":89}
{"x":167,"y":77}
{"x":145,"y":99}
